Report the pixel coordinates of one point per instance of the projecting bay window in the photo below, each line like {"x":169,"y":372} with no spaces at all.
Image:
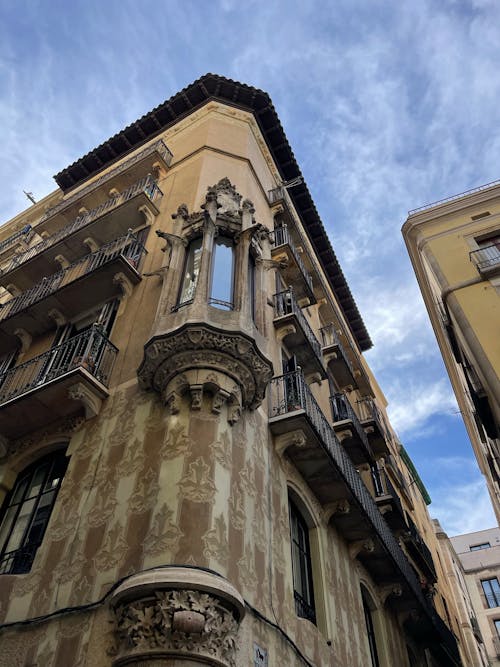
{"x":27,"y":511}
{"x":221,"y":291}
{"x":301,"y":565}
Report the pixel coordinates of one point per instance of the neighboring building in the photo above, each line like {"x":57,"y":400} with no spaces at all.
{"x":196,"y":459}
{"x":454,"y":246}
{"x":479,"y":555}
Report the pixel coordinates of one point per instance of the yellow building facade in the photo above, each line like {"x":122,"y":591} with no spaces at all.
{"x":454,"y":246}
{"x":196,"y":463}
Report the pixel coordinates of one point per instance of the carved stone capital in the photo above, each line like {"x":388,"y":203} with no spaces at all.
{"x":199,"y":347}
{"x":389,"y":590}
{"x":293,"y":438}
{"x":176,"y":613}
{"x":91,"y":402}
{"x":366,"y":546}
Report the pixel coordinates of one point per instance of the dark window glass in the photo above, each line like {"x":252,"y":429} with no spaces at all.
{"x":301,"y":566}
{"x":26,"y":513}
{"x":221,"y":293}
{"x":478,"y":547}
{"x":251,"y":285}
{"x":191,"y":271}
{"x":371,"y":633}
{"x":497,"y":626}
{"x":491,"y":590}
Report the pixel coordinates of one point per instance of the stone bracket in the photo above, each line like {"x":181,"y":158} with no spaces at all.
{"x":91,"y":402}
{"x":283,"y":442}
{"x":359,"y":546}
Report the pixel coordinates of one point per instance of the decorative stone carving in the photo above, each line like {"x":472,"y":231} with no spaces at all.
{"x":338,"y":507}
{"x":203,"y":347}
{"x":25,"y":339}
{"x":91,"y":402}
{"x":355,"y":548}
{"x":124,"y":283}
{"x":390,"y":590}
{"x":293,"y":438}
{"x":178,"y":613}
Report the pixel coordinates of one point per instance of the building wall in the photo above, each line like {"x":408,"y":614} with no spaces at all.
{"x":191,"y":475}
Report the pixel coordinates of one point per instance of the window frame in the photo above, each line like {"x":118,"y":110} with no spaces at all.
{"x":300,"y":547}
{"x":20,"y":559}
{"x":190,"y":248}
{"x":491,"y":595}
{"x":215,"y":302}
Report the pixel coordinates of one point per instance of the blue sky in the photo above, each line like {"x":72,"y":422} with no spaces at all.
{"x":388,"y":105}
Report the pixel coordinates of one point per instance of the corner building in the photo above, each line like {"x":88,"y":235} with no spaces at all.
{"x":196,"y":461}
{"x":454,"y":246}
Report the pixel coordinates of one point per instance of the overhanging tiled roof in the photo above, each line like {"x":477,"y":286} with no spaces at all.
{"x":214,"y":87}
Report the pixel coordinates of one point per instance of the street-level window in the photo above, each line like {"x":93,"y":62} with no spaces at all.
{"x":478,"y":547}
{"x":221,"y":292}
{"x":26,"y":513}
{"x":491,"y":589}
{"x":301,"y":565}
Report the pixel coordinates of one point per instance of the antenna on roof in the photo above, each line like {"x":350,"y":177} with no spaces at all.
{"x":293,"y":182}
{"x":30,"y":196}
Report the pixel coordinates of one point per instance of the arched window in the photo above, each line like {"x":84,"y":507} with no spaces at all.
{"x":370,"y":628}
{"x":26,"y":512}
{"x":221,"y":291}
{"x":301,"y":565}
{"x":191,"y":271}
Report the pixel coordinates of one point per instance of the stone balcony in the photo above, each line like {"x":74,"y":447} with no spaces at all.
{"x":336,"y":358}
{"x":349,"y":430}
{"x":373,"y":422}
{"x":285,"y":251}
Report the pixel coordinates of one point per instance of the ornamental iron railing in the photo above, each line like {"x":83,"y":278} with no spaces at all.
{"x":146,"y":185}
{"x":290,"y":393}
{"x":281,"y":236}
{"x":90,"y":350}
{"x":341,"y":410}
{"x":486,"y":258}
{"x":127,"y":247}
{"x":286,"y":304}
{"x":420,"y":545}
{"x":158,"y":147}
{"x":384,"y":487}
{"x":26,"y":232}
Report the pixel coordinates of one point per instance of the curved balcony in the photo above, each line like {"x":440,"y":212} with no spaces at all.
{"x":293,"y":270}
{"x":297,"y":333}
{"x":349,"y":430}
{"x":102,"y":224}
{"x":91,"y":280}
{"x":57,"y":383}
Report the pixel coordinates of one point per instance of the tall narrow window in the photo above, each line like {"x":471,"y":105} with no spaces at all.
{"x":191,"y":271}
{"x":301,"y":565}
{"x":251,"y":285}
{"x":221,"y":292}
{"x":370,"y":630}
{"x":26,"y":513}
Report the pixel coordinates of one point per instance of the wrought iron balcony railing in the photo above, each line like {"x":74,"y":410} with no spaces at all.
{"x":127,"y":247}
{"x":290,"y":393}
{"x":418,"y":542}
{"x":24,"y":234}
{"x":341,"y":410}
{"x":330,"y":338}
{"x":158,"y":147}
{"x":280,"y":237}
{"x":486,"y":259}
{"x":146,"y":185}
{"x":90,"y":350}
{"x":286,"y":304}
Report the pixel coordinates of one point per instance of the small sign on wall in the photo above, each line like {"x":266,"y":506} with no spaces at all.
{"x":259,"y":656}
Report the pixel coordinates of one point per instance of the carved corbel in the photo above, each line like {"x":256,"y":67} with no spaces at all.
{"x":366,"y":546}
{"x":147,"y":213}
{"x":173,"y":403}
{"x":15,"y":291}
{"x":57,"y":317}
{"x":313,"y":378}
{"x":283,"y":442}
{"x":218,"y":400}
{"x":91,"y":402}
{"x":304,"y":302}
{"x":124,"y":283}
{"x":234,"y":414}
{"x":196,"y":391}
{"x":339,"y":507}
{"x":158,"y":170}
{"x":346,"y":434}
{"x":113,"y":193}
{"x":171,"y":239}
{"x":269,"y":264}
{"x":25,"y":339}
{"x":92,"y":245}
{"x":389,"y":590}
{"x":62,"y":261}
{"x":285,"y":331}
{"x":83,"y":210}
